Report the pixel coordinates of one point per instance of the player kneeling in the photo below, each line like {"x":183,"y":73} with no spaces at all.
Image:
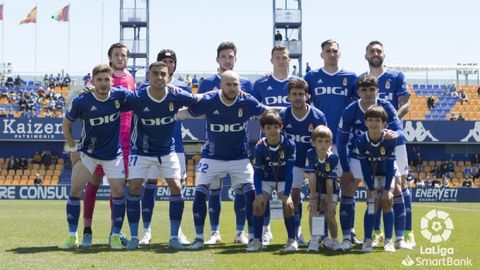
{"x":321,"y":164}
{"x":274,"y":159}
{"x":377,"y":158}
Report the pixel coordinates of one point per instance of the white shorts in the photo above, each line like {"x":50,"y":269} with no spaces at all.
{"x":298,"y":177}
{"x":380,"y":183}
{"x":402,"y":159}
{"x":113,"y":169}
{"x":356,"y":169}
{"x":269,"y":187}
{"x":145,"y":167}
{"x":183,"y":166}
{"x":339,"y":166}
{"x":210,"y":171}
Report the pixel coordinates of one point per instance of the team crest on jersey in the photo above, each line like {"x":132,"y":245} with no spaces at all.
{"x":345,"y":81}
{"x":310,"y":128}
{"x":170,"y":106}
{"x":382,"y":151}
{"x":282,"y":154}
{"x":117,"y":104}
{"x":327,"y":166}
{"x":387,"y":84}
{"x":240,"y":112}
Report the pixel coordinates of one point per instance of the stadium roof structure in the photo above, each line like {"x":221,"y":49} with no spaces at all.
{"x":473,"y":66}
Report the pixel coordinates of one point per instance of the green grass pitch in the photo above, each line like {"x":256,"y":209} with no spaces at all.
{"x":31,"y":230}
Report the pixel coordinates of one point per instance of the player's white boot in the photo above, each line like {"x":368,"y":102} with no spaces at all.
{"x":215,"y":239}
{"x":147,"y":236}
{"x":377,"y":238}
{"x":367,"y":245}
{"x":291,"y":246}
{"x":254,"y":245}
{"x":183,"y":238}
{"x":389,"y":247}
{"x":401,"y":244}
{"x":313,"y":246}
{"x":267,"y":238}
{"x":301,"y":241}
{"x":241,"y":238}
{"x":346,"y":244}
{"x":331,"y":244}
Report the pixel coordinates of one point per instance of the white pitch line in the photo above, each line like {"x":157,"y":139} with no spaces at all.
{"x":446,"y":207}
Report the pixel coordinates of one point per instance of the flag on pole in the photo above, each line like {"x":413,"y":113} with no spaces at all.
{"x":62,"y":14}
{"x":31,"y":17}
{"x":1,"y":12}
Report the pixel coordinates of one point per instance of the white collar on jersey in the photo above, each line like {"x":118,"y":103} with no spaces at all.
{"x":221,"y":99}
{"x":305,"y":116}
{"x":380,"y":75}
{"x":102,"y":100}
{"x":360,"y":105}
{"x":278,"y":80}
{"x":332,"y":74}
{"x":154,"y":99}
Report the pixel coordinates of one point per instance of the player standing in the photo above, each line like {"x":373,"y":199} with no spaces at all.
{"x":225,"y":151}
{"x":226,"y":59}
{"x":299,"y":119}
{"x":393,"y":87}
{"x":118,"y":57}
{"x":99,"y":145}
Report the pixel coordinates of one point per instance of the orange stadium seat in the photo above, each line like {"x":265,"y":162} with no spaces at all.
{"x":11,"y":172}
{"x":19,"y":172}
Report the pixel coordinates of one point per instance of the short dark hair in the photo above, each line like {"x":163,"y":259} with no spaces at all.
{"x":227,"y":45}
{"x":373,"y":42}
{"x":101,"y":68}
{"x":157,"y":64}
{"x":297,"y":83}
{"x":117,"y":45}
{"x":376,"y":111}
{"x":271,"y":117}
{"x":329,"y":42}
{"x":279,"y":48}
{"x":366,"y":81}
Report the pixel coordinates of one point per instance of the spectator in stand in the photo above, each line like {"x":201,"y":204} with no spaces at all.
{"x":54,"y":158}
{"x":460,"y":118}
{"x":436,"y":172}
{"x":23,"y":163}
{"x":419,"y":183}
{"x":278,"y":36}
{"x":12,"y":163}
{"x":418,"y":162}
{"x":66,"y":80}
{"x":48,"y":113}
{"x":478,"y":91}
{"x":188,"y":80}
{"x":467,"y":183}
{"x":18,"y":81}
{"x":476,"y":175}
{"x":463,"y":96}
{"x":3,"y":113}
{"x":27,"y":114}
{"x":86,"y":78}
{"x":452,"y":88}
{"x":195,"y":81}
{"x":476,"y":161}
{"x":9,"y":82}
{"x":46,"y":158}
{"x":10,"y":114}
{"x":294,"y":71}
{"x":435,"y":183}
{"x":453,"y":117}
{"x":430,"y":102}
{"x":51,"y":81}
{"x":45,"y":80}
{"x":446,"y":181}
{"x":468,"y":172}
{"x":450,"y":168}
{"x":58,"y":80}
{"x":308,"y":68}
{"x":38,"y":180}
{"x":37,"y":158}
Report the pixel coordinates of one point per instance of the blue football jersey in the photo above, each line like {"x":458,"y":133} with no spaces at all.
{"x":376,"y":158}
{"x":272,"y":91}
{"x":331,"y":93}
{"x":154,"y":120}
{"x":391,"y":85}
{"x":323,"y":169}
{"x":213,"y":83}
{"x":352,"y":125}
{"x":300,"y":130}
{"x":226,"y":125}
{"x":100,"y":122}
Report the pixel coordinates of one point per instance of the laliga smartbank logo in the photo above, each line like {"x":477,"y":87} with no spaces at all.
{"x":437,"y":227}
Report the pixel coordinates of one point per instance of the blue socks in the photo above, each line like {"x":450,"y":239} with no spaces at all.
{"x":368,"y":225}
{"x":249,"y":192}
{"x":258,"y":224}
{"x":298,"y":218}
{"x":148,"y":203}
{"x":407,"y":197}
{"x":290,"y":225}
{"x":118,"y":212}
{"x":200,"y":209}
{"x":177,"y":204}
{"x":214,"y":209}
{"x":73,"y":213}
{"x":399,"y":210}
{"x":388,"y":224}
{"x":239,"y":207}
{"x":266,"y":217}
{"x":378,"y":219}
{"x":346,"y":211}
{"x":133,"y":214}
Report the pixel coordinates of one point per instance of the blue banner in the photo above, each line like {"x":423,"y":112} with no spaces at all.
{"x":50,"y":129}
{"x":163,"y":194}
